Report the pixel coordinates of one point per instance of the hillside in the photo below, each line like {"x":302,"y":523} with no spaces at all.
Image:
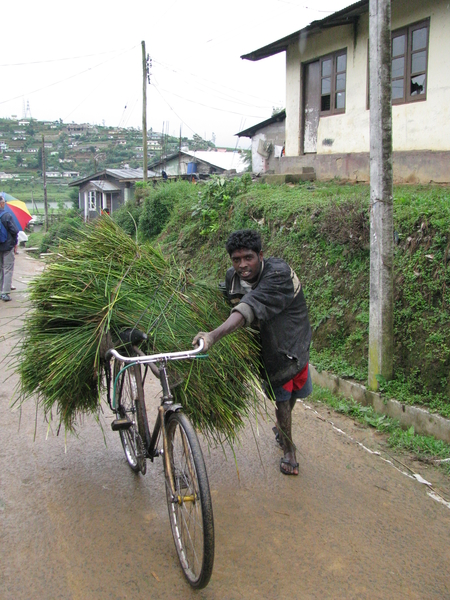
{"x":73,"y":151}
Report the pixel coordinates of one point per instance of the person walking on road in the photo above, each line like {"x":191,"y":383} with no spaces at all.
{"x":8,"y":248}
{"x":267,"y":294}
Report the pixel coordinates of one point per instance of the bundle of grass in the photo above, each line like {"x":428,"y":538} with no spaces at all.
{"x":102,"y":282}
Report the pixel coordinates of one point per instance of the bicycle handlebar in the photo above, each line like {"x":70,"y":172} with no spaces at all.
{"x":153,"y":358}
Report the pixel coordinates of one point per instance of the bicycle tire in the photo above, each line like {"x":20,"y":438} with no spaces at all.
{"x":131,"y":406}
{"x":191,"y":521}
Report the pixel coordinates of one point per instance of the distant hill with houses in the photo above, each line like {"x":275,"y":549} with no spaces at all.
{"x":76,"y":150}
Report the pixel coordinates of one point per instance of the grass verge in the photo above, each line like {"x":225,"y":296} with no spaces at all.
{"x":424,"y":448}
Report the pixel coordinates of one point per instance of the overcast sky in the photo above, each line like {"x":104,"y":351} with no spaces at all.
{"x":82,"y":62}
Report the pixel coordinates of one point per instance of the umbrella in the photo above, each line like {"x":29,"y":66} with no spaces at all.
{"x":18,"y":209}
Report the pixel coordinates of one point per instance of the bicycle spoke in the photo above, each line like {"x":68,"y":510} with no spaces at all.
{"x":194,"y":543}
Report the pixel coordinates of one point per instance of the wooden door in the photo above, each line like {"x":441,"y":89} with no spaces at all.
{"x":311,"y":110}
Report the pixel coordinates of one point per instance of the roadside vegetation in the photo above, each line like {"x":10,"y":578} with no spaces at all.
{"x":322,"y":230}
{"x":426,"y":449}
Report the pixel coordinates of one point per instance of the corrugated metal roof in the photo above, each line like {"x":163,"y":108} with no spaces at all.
{"x":223,"y":160}
{"x":126,"y":174}
{"x":105,"y":186}
{"x":346,"y":16}
{"x":119,"y":174}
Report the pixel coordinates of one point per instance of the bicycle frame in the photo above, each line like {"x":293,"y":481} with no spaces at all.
{"x":167,"y":404}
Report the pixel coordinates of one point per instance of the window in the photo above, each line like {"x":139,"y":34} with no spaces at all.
{"x":92,"y":200}
{"x":409,"y":63}
{"x":333,"y":76}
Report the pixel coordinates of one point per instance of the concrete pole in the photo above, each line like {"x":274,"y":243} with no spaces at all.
{"x":144,"y":110}
{"x":381,"y":334}
{"x":45,"y":185}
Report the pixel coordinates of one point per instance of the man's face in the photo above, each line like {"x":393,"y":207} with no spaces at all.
{"x":247,"y":264}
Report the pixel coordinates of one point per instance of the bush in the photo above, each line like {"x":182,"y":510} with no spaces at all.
{"x":62,"y":230}
{"x":127,"y":217}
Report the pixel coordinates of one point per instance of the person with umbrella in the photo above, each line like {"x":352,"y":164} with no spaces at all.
{"x":8,"y":249}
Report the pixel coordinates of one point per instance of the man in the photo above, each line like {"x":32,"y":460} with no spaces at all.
{"x":267,"y":294}
{"x":7,"y":250}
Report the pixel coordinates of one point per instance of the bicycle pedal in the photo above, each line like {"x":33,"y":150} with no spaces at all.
{"x":121,"y":424}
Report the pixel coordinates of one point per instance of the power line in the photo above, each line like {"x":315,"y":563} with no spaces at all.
{"x":66,"y":78}
{"x":223,"y":96}
{"x":170,"y":67}
{"x":41,"y":62}
{"x":209,"y":106}
{"x":176,"y":114}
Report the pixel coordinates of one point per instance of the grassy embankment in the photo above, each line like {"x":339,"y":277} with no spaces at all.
{"x":322,"y":230}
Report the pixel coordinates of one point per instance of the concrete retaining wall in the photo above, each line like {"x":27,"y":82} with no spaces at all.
{"x":424,"y":422}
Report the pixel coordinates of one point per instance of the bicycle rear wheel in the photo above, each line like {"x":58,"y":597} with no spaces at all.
{"x":190,"y":509}
{"x":131,"y":406}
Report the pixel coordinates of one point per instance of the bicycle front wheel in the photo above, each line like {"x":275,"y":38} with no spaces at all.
{"x":130,"y":406}
{"x":190,"y":508}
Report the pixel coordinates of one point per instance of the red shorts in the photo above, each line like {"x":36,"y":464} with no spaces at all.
{"x":298,"y":382}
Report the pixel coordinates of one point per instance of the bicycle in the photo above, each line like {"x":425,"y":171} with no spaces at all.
{"x":187,"y":488}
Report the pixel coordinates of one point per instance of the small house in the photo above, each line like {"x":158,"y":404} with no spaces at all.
{"x":106,"y":190}
{"x":327,"y":125}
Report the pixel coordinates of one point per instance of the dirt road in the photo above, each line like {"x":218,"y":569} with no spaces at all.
{"x":77,"y":524}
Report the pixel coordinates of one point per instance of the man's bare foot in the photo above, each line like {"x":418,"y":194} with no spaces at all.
{"x":289,"y":464}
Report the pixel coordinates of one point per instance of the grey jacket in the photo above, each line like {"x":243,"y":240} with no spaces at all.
{"x":276,"y":304}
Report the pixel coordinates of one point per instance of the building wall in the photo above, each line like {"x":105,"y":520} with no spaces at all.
{"x":423,"y":125}
{"x":273,"y":134}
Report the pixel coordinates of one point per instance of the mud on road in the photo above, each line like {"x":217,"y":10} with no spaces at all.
{"x":76,"y":523}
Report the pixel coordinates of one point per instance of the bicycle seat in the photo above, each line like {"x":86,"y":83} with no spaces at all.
{"x":132,"y":336}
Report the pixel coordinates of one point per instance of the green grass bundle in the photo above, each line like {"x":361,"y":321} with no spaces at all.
{"x":101,"y":282}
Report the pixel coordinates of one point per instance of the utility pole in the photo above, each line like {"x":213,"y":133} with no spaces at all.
{"x":381,"y":335}
{"x":146,"y":64}
{"x":179,"y":153}
{"x":45,"y":186}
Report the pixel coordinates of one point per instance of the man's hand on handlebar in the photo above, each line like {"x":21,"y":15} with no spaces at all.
{"x":207,"y":339}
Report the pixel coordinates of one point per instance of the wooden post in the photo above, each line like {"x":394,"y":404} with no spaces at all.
{"x":144,"y":110}
{"x":45,"y":186}
{"x":381,"y":337}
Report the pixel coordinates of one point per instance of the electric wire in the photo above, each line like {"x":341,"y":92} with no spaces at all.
{"x":52,"y":60}
{"x":55,"y":83}
{"x":224,"y":96}
{"x":170,"y":67}
{"x":209,"y":106}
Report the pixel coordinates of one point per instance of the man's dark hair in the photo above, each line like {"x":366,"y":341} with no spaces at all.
{"x":244,"y":238}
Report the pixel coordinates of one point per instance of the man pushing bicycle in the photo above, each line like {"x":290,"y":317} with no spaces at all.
{"x":267,"y":295}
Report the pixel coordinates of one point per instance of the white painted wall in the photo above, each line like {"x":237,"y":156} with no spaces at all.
{"x":416,"y":126}
{"x":258,"y":161}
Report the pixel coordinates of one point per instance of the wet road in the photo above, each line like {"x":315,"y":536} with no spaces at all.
{"x":77,"y":524}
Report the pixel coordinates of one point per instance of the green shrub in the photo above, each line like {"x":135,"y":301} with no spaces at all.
{"x":62,"y":230}
{"x":127,"y":217}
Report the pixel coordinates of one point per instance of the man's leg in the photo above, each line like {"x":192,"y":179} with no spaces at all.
{"x":8,"y":268}
{"x":284,"y":423}
{"x":1,"y":271}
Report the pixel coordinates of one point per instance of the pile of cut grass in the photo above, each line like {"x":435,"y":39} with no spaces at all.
{"x":101,"y":282}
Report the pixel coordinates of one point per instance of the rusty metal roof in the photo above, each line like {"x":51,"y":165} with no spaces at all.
{"x":346,"y":16}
